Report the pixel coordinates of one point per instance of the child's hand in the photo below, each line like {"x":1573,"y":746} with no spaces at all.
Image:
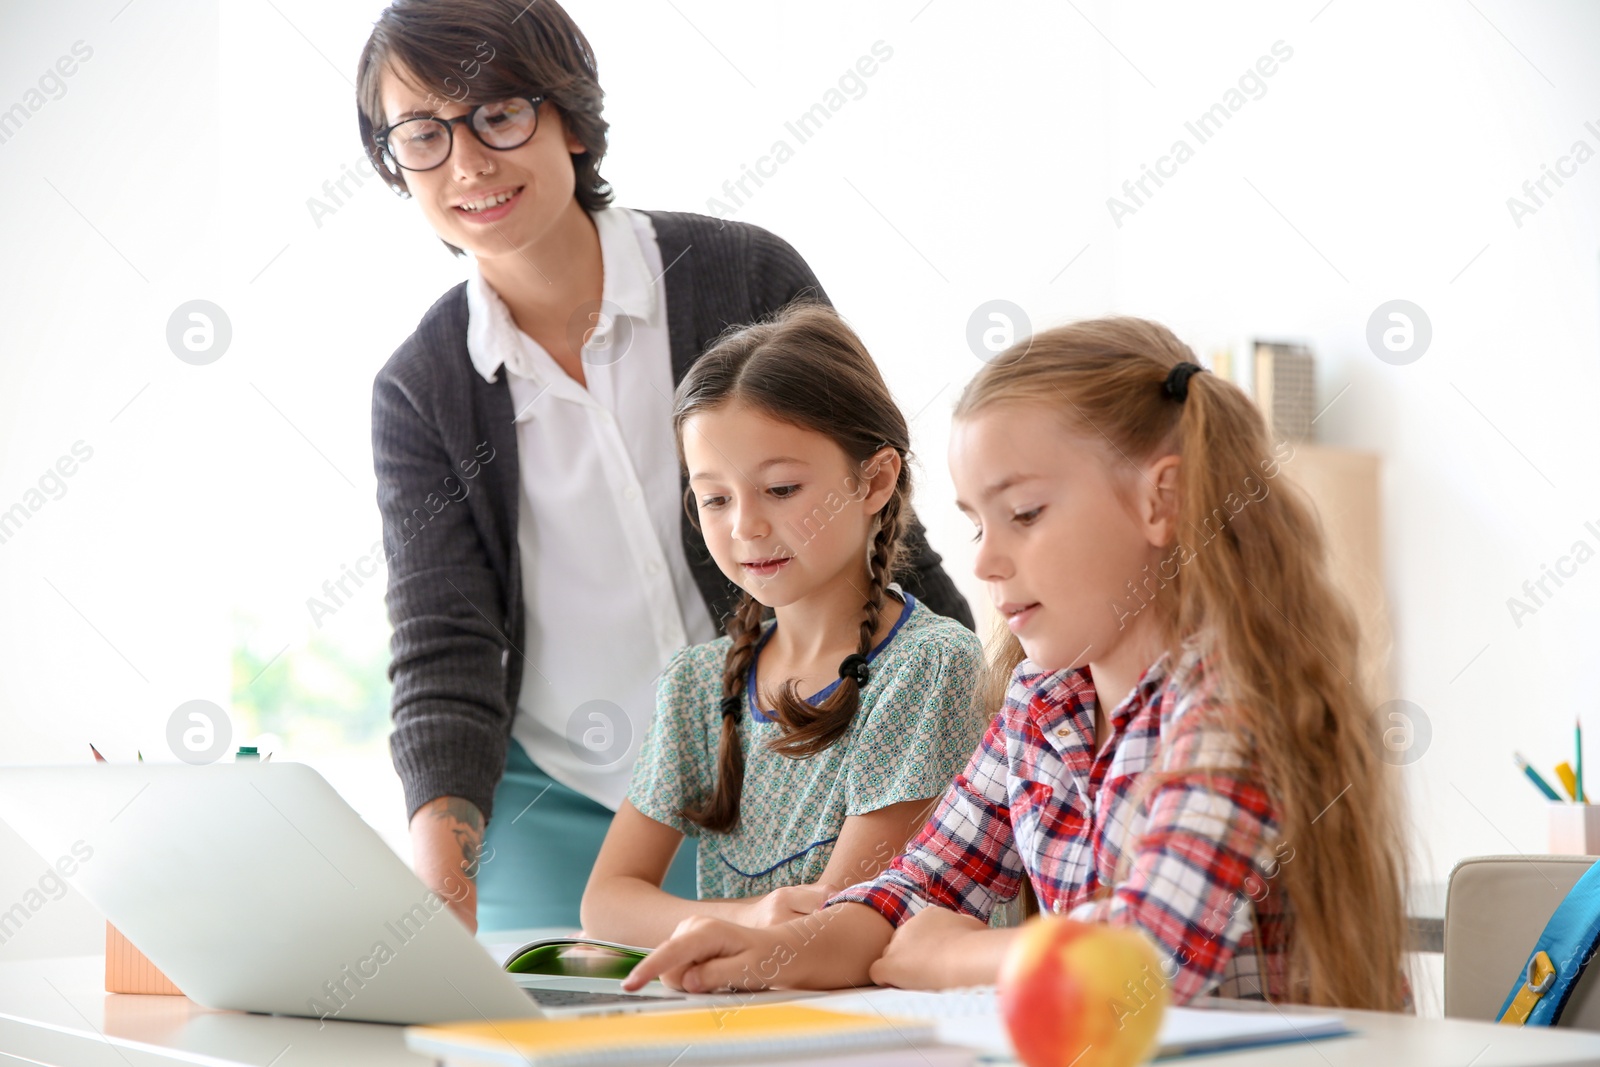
{"x":704,"y":955}
{"x":789,"y":902}
{"x":930,"y":951}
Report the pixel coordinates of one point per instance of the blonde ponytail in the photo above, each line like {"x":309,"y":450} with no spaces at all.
{"x":1247,"y":577}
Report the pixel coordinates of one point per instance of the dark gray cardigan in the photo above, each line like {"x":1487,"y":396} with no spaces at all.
{"x":444,"y":446}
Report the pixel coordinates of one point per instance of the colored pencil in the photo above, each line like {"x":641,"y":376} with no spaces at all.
{"x":1569,"y":780}
{"x":1577,"y":743}
{"x":1534,"y":777}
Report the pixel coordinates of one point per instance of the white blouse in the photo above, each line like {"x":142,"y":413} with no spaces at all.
{"x":608,"y":591}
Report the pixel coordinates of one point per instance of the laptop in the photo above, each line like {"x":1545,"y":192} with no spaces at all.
{"x":255,"y":887}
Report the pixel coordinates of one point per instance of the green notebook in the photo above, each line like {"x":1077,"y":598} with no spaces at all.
{"x":575,"y":957}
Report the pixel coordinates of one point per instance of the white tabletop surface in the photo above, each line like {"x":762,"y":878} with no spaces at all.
{"x":55,"y":1011}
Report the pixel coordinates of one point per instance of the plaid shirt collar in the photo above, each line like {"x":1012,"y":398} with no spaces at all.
{"x":1062,"y":709}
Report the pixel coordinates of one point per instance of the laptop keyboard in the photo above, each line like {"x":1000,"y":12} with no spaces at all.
{"x":578,"y":998}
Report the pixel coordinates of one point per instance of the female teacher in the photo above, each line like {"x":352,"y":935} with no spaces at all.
{"x":542,"y":567}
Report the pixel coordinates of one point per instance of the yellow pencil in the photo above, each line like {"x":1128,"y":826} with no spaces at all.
{"x":1569,"y":781}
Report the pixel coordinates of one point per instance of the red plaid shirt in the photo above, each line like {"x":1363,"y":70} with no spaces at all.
{"x":1184,"y":865}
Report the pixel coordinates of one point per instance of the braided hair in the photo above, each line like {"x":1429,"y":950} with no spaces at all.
{"x":778,"y":367}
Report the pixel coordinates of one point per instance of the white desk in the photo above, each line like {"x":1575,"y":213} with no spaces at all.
{"x":56,"y":1012}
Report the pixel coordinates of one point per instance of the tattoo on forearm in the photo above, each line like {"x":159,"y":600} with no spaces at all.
{"x":467,"y":827}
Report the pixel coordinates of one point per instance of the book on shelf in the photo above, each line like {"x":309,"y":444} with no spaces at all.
{"x":1286,"y":388}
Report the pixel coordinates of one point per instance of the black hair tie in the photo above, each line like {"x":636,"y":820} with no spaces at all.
{"x":731,"y":706}
{"x":854,"y":666}
{"x":1177,"y":384}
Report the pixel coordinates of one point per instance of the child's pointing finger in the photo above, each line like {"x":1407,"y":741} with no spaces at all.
{"x":695,"y":941}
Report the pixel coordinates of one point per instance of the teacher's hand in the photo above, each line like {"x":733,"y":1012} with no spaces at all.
{"x":446,"y":850}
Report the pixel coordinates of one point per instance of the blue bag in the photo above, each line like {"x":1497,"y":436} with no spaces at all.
{"x":1558,"y":958}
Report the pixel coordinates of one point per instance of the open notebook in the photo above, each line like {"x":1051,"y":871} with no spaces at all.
{"x":968,"y":1018}
{"x":572,"y":957}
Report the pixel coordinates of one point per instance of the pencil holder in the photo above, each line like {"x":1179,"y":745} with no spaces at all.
{"x":129,"y":971}
{"x":1575,"y":829}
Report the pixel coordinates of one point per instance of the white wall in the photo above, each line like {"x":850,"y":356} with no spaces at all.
{"x":1391,"y":141}
{"x":975,"y":166}
{"x":112,"y":593}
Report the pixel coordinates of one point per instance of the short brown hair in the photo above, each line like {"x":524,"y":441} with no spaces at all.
{"x":471,"y":51}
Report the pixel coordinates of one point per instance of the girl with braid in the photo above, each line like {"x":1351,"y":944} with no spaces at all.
{"x":801,"y":751}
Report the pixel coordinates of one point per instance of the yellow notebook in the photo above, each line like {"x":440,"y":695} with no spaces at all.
{"x":682,"y":1037}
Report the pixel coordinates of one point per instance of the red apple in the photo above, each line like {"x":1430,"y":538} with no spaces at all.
{"x":1076,"y":994}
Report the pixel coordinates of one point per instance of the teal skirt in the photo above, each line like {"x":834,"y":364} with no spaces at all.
{"x":540,"y":847}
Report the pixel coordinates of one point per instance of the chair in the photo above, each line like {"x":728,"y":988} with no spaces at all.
{"x":1495,"y":909}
